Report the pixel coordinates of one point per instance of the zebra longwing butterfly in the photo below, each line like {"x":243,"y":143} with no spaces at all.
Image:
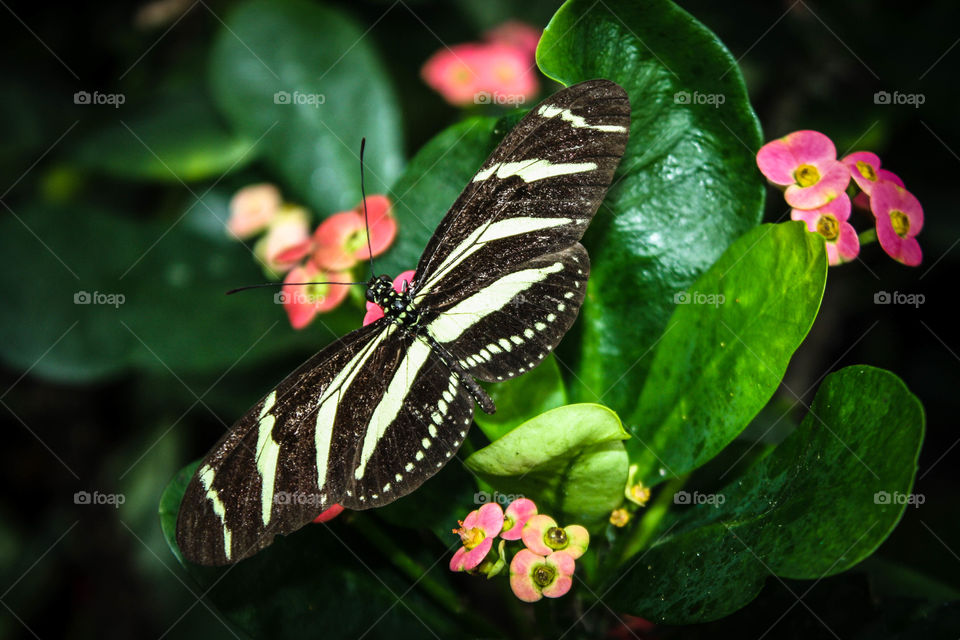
{"x":372,"y":416}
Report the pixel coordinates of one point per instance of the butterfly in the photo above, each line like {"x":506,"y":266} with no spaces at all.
{"x":373,"y":415}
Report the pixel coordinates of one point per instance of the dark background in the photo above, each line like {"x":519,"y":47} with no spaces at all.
{"x":95,"y":571}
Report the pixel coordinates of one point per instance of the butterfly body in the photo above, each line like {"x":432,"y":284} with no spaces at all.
{"x":375,"y":414}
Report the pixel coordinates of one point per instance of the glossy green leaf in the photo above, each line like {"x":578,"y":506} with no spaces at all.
{"x":302,"y":80}
{"x":726,"y":348}
{"x":179,"y":139}
{"x":322,"y":578}
{"x":686,"y":187}
{"x":528,"y":395}
{"x":569,"y":460}
{"x":819,"y":503}
{"x":431,"y":183}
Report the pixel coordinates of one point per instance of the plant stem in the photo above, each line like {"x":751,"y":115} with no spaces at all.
{"x":416,"y":572}
{"x":868,"y":236}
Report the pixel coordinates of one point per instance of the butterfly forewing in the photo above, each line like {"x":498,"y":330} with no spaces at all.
{"x":374,"y":415}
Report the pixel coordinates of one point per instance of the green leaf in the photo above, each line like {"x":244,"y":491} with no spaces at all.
{"x":303,"y":80}
{"x":181,"y":139}
{"x":522,"y":397}
{"x":322,"y":578}
{"x":813,"y":507}
{"x":146,"y":275}
{"x":430,"y":185}
{"x":686,"y":188}
{"x":726,"y":348}
{"x":569,"y":460}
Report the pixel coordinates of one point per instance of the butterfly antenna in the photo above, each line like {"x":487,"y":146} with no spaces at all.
{"x":283,"y":284}
{"x":366,"y":218}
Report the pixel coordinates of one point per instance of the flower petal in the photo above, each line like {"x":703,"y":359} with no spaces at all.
{"x":847,"y":245}
{"x":578,"y":539}
{"x":331,"y":240}
{"x":834,"y":179}
{"x":329,"y":514}
{"x":490,"y":519}
{"x":383,"y":226}
{"x":564,"y":565}
{"x":776,"y":162}
{"x":534,"y":531}
{"x":252,"y":208}
{"x":519,"y":511}
{"x":864,"y":168}
{"x":888,"y":196}
{"x":521,"y":579}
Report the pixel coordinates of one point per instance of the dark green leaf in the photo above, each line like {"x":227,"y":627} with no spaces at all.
{"x":523,"y":397}
{"x":569,"y":460}
{"x":726,"y":347}
{"x":686,"y":188}
{"x":821,"y":502}
{"x":302,"y":79}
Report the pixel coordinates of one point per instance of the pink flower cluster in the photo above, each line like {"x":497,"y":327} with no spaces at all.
{"x":544,"y":567}
{"x":815,"y":182}
{"x":326,"y":255}
{"x":500,"y":70}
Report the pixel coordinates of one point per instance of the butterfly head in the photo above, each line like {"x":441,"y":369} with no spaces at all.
{"x":379,"y":289}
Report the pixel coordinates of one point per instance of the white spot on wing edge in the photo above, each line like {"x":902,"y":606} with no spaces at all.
{"x":578,"y":122}
{"x":533,"y":170}
{"x":268,"y":452}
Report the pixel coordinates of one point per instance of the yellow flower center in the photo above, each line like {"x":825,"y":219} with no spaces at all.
{"x":470,"y":537}
{"x":900,"y":222}
{"x":828,"y":227}
{"x":544,"y":575}
{"x":866,"y":170}
{"x":619,"y":517}
{"x":806,"y":175}
{"x":555,"y":538}
{"x":356,"y":240}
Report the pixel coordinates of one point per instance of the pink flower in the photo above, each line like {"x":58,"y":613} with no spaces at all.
{"x":329,"y":514}
{"x":518,"y":35}
{"x":289,"y":227}
{"x":303,"y":303}
{"x":252,"y":208}
{"x":542,"y":535}
{"x":899,"y":219}
{"x":805,"y":162}
{"x":464,"y":73}
{"x":517,"y":514}
{"x":862,"y":200}
{"x":341,"y":240}
{"x":830,"y":221}
{"x":374,"y":312}
{"x":533,"y":576}
{"x":477,"y":532}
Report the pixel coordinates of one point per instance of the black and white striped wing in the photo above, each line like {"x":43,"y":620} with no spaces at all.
{"x":504,"y":276}
{"x":365,"y":421}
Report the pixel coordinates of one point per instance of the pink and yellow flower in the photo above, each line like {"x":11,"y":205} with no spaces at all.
{"x":534,"y":576}
{"x":862,"y":200}
{"x":341,"y":240}
{"x":517,"y":514}
{"x":463,"y":73}
{"x":374,"y":312}
{"x":830,"y":221}
{"x":805,"y":162}
{"x":542,"y":535}
{"x":303,"y":303}
{"x":899,"y":219}
{"x":252,"y":209}
{"x":477,"y":532}
{"x":289,"y":227}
